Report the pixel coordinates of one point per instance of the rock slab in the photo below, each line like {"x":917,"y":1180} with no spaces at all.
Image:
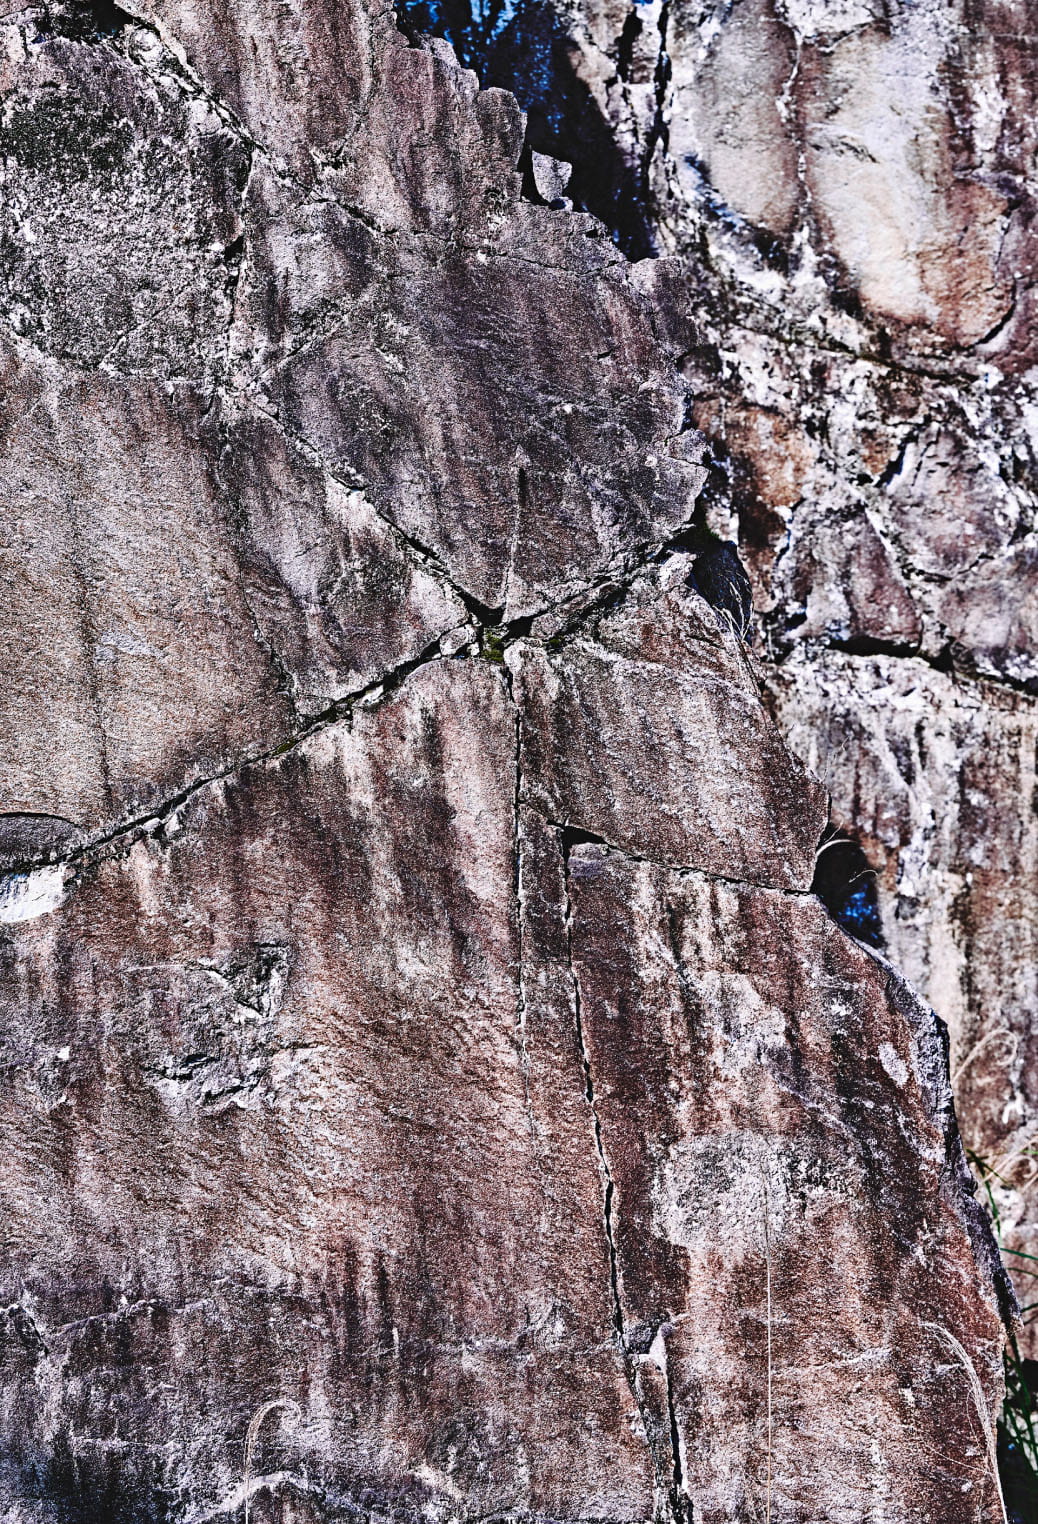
{"x":429,"y":1089}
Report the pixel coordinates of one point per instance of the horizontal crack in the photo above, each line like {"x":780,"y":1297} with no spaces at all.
{"x":573,"y":836}
{"x":867,"y":650}
{"x":371,"y":694}
{"x":576,"y":835}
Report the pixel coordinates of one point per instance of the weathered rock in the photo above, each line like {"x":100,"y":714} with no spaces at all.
{"x":122,"y":200}
{"x":652,"y":735}
{"x":726,"y":1124}
{"x":937,"y":780}
{"x":429,"y":1088}
{"x":496,"y":1191}
{"x":132,"y":664}
{"x":848,"y":198}
{"x":270,"y":1057}
{"x":511,"y":416}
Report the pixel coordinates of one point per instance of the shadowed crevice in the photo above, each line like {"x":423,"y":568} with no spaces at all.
{"x":82,"y":20}
{"x":524,"y":46}
{"x":846,"y":886}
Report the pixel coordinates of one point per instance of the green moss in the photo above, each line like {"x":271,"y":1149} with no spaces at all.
{"x":492,"y":646}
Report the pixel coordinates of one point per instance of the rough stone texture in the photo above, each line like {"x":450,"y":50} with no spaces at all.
{"x":429,"y":1088}
{"x":938,"y":778}
{"x":320,"y":1109}
{"x":652,"y":735}
{"x":677,"y":979}
{"x":845,"y":195}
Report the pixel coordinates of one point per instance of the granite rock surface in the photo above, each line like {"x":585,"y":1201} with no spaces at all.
{"x":430,"y":1088}
{"x":842,"y":196}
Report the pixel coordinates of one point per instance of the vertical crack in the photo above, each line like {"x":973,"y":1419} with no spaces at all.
{"x":770,"y":1429}
{"x":234,"y":256}
{"x":675,"y":1437}
{"x":681,"y":1509}
{"x":589,"y":1096}
{"x":670,"y":1503}
{"x":517,"y":890}
{"x":659,"y":132}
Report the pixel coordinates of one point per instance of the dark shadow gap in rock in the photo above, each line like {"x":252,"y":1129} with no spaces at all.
{"x":82,"y":20}
{"x":846,"y":886}
{"x":523,"y":46}
{"x":1018,"y":1439}
{"x":719,"y":576}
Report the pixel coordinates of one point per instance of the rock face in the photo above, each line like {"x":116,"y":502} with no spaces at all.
{"x":879,"y":439}
{"x":844,"y":194}
{"x":430,"y":1088}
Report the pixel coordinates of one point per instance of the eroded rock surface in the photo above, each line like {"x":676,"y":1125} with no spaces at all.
{"x":430,"y":1089}
{"x":843,"y":194}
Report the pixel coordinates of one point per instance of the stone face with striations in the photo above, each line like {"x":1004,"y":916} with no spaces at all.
{"x":429,"y":1089}
{"x":844,"y":195}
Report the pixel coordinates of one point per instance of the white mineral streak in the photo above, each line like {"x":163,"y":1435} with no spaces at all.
{"x":893,"y":1063}
{"x":26,"y":896}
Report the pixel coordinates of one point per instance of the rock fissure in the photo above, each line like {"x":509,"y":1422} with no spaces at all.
{"x":189,"y":82}
{"x":668,"y":1491}
{"x":89,"y":639}
{"x":616,"y":1303}
{"x":519,"y":900}
{"x":483,"y":615}
{"x":571,"y":609}
{"x":84,"y":854}
{"x":964,"y":674}
{"x":589,"y":1096}
{"x":658,"y":134}
{"x":679,"y":1499}
{"x":490,"y":637}
{"x":575,"y":834}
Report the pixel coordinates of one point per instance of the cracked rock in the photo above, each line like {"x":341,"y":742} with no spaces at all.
{"x":431,"y":1091}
